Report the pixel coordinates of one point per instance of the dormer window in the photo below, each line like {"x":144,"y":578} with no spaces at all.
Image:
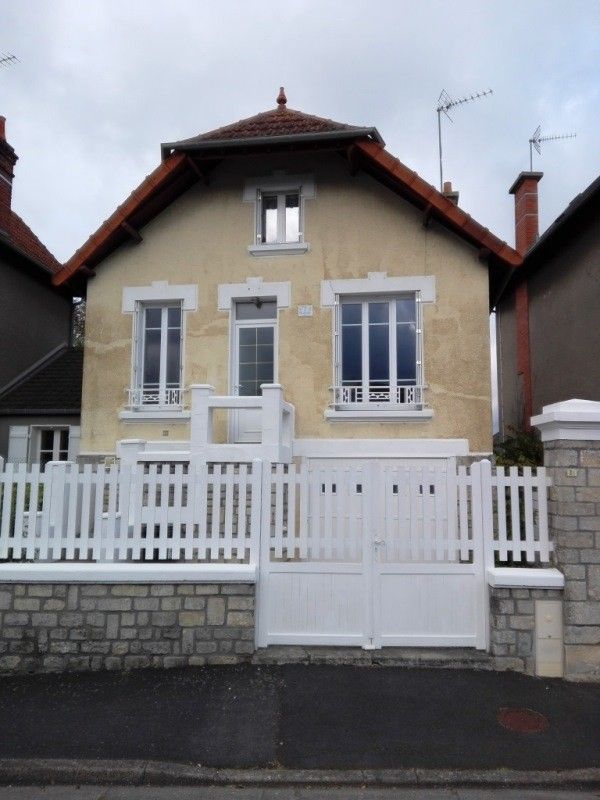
{"x":279,"y":220}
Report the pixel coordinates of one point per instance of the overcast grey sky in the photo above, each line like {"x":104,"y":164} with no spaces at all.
{"x":101,"y":83}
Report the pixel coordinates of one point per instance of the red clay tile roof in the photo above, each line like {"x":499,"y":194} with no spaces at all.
{"x":281,"y":121}
{"x":25,"y":240}
{"x":287,"y":122}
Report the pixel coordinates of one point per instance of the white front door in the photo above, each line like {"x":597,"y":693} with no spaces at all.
{"x":254,"y":345}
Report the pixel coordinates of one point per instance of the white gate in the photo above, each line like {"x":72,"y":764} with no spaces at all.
{"x":372,"y":553}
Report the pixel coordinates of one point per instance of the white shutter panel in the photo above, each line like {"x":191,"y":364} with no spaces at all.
{"x":18,"y":442}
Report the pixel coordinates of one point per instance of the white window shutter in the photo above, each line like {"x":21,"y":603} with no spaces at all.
{"x":18,"y":443}
{"x":74,"y":437}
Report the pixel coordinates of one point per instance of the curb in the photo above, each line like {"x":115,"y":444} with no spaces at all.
{"x":69,"y":772}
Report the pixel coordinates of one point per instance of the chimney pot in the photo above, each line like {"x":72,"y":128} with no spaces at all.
{"x":449,"y":193}
{"x":3,"y":128}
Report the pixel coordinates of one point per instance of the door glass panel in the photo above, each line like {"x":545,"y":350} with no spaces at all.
{"x":264,"y":335}
{"x":292,"y":218}
{"x":255,"y":359}
{"x":269,"y":219}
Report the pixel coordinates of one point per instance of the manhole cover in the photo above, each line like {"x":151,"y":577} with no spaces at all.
{"x":522,"y":720}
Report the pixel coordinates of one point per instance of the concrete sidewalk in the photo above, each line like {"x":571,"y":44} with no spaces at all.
{"x":301,"y":717}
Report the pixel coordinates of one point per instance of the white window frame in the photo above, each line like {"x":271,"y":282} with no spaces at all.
{"x":279,"y":185}
{"x":56,"y":450}
{"x":169,"y":398}
{"x":135,"y":298}
{"x":378,"y":287}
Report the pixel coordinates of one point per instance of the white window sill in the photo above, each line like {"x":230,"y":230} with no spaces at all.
{"x":378,"y":414}
{"x":154,"y":414}
{"x":285,"y":249}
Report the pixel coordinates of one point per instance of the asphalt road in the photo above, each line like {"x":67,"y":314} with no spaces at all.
{"x":295,"y":716}
{"x":234,"y":793}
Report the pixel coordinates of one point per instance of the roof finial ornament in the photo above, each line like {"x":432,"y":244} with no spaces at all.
{"x":281,"y":99}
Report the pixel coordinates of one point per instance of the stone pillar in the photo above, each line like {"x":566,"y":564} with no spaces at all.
{"x":570,"y":433}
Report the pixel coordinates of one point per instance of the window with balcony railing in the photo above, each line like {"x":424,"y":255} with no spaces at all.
{"x":378,"y":353}
{"x":157,"y":378}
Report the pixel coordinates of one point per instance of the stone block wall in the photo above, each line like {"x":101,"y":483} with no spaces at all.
{"x":512,"y":624}
{"x":574,"y":514}
{"x":56,"y":627}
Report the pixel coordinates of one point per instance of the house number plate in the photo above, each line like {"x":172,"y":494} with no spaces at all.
{"x":305,"y":311}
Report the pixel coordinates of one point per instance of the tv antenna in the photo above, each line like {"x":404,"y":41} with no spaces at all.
{"x":537,"y":139}
{"x":6,"y":59}
{"x":445,"y":103}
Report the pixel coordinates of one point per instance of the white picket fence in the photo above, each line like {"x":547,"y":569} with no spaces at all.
{"x":425,"y":514}
{"x":157,"y":512}
{"x":215,"y":513}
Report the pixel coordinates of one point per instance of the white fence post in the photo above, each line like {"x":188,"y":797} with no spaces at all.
{"x":201,"y":420}
{"x":272,"y":420}
{"x":483,"y":544}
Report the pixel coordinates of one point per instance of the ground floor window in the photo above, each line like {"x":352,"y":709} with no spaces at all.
{"x":52,"y":445}
{"x":378,"y":358}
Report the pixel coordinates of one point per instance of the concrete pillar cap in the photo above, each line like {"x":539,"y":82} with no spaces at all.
{"x":570,"y":419}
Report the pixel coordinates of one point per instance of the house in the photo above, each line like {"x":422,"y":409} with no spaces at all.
{"x":292,"y":251}
{"x":40,"y":374}
{"x":286,"y":407}
{"x":548,"y":324}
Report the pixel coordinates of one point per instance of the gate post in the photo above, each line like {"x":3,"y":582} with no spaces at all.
{"x":483,"y":545}
{"x":570,"y":433}
{"x":263,"y":521}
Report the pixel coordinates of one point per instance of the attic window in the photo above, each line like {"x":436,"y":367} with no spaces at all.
{"x":279,"y":202}
{"x":279,"y":218}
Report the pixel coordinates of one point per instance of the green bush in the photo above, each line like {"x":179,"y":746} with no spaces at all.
{"x":521,"y":449}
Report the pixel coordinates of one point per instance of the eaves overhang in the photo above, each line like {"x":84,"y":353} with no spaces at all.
{"x":246,"y":143}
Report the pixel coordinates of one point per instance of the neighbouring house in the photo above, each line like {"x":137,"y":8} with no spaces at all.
{"x":40,"y":374}
{"x":548,"y":317}
{"x":292,"y":250}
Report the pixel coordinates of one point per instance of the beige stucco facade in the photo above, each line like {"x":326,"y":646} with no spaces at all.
{"x":354,"y":226}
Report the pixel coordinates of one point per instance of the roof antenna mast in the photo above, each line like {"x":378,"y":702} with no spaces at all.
{"x":537,"y":139}
{"x":6,"y":59}
{"x":445,"y":103}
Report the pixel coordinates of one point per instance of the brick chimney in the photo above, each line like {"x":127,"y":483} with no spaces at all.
{"x":8,"y":159}
{"x":525,"y":190}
